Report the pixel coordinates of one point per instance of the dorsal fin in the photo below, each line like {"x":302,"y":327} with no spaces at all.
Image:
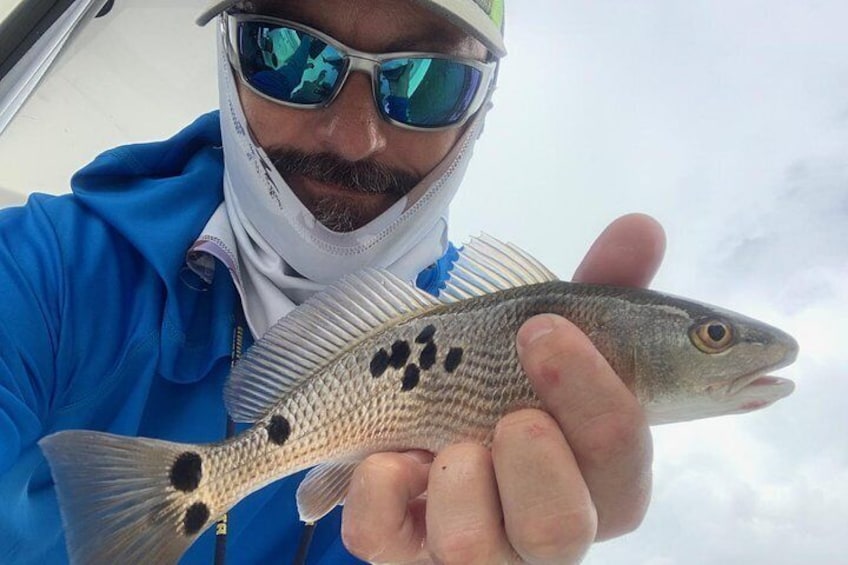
{"x":356,"y":306}
{"x":315,"y":332}
{"x":488,"y":265}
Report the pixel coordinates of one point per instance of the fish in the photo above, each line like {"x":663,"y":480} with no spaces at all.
{"x":373,"y":364}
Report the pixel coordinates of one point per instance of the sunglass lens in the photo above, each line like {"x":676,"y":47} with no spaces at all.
{"x":427,"y":92}
{"x":288,"y":64}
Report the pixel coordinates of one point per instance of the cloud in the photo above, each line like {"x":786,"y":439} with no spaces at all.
{"x":722,"y":495}
{"x":795,"y":237}
{"x":769,"y":487}
{"x":730,"y":126}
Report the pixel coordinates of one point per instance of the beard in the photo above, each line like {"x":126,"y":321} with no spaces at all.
{"x":358,"y":177}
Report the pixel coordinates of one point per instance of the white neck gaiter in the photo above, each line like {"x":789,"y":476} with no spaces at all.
{"x":284,"y":254}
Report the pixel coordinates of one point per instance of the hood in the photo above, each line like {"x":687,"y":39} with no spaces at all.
{"x":142,"y":189}
{"x":158,"y":196}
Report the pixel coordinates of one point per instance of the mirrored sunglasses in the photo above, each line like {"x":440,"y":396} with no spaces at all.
{"x":297,"y":66}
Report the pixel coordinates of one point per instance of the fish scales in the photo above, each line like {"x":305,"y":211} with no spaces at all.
{"x":464,"y":404}
{"x":372,"y":365}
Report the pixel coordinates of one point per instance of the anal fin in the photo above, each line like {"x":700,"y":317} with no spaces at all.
{"x":324,"y":488}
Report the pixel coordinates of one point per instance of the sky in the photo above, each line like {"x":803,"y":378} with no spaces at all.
{"x":727,"y":121}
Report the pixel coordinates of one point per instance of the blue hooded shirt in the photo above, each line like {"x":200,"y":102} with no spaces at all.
{"x":104,"y":327}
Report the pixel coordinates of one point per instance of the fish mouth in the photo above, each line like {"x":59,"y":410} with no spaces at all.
{"x":752,"y":391}
{"x":760,"y":392}
{"x":756,"y":388}
{"x":758,"y":384}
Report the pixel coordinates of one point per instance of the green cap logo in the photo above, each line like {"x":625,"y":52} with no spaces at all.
{"x":495,"y":9}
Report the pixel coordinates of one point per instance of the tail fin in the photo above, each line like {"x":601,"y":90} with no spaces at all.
{"x":128,"y":500}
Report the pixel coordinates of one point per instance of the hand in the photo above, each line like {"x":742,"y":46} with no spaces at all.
{"x":554,"y":481}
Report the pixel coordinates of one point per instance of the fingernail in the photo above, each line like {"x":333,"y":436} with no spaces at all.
{"x":534,"y":329}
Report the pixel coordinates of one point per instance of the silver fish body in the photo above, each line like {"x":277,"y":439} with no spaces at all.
{"x":373,"y":365}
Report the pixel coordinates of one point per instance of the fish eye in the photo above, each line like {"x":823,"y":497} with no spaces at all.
{"x":712,"y":336}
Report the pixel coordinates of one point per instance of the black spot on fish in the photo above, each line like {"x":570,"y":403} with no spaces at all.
{"x":195,"y":518}
{"x":278,"y":430}
{"x":379,"y":363}
{"x":187,"y":471}
{"x":427,"y":358}
{"x":426,"y":334}
{"x":453,"y":359}
{"x":400,"y":354}
{"x":411,"y":376}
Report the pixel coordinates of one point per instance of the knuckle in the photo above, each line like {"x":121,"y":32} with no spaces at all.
{"x":621,"y":525}
{"x":547,"y":365}
{"x":610,"y":435}
{"x":559,"y":537}
{"x":373,"y":522}
{"x":361,"y":539}
{"x":461,"y":547}
{"x":523,"y":425}
{"x":385,"y":466}
{"x":628,"y":516}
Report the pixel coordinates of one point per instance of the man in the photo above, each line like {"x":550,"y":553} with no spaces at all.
{"x":120,"y":300}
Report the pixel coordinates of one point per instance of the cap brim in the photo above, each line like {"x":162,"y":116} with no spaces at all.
{"x":209,"y":14}
{"x":468,"y":16}
{"x":463,"y":14}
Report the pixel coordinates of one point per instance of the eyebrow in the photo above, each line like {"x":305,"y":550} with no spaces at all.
{"x":433,"y":40}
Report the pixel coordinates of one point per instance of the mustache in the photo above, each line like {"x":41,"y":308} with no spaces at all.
{"x":369,"y":177}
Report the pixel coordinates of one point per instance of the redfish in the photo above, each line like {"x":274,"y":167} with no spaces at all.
{"x":373,"y":364}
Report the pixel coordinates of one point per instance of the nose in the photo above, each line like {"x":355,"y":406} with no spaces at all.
{"x":351,"y":127}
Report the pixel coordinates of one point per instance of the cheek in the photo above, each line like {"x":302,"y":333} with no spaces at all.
{"x":271,"y":124}
{"x":419,"y":151}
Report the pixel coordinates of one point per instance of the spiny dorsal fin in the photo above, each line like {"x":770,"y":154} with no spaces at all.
{"x":314,"y":333}
{"x":487,"y":265}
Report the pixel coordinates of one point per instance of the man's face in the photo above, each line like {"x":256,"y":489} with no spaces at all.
{"x":344,"y":162}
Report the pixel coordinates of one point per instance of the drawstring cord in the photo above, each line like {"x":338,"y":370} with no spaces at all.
{"x":222,"y":526}
{"x":303,"y":546}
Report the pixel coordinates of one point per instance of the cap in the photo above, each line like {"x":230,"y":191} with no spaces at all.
{"x":483,"y":19}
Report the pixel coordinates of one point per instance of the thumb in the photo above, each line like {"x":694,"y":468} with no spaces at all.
{"x":627,"y":253}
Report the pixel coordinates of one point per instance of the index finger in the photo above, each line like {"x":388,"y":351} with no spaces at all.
{"x":627,"y":253}
{"x":383,"y":517}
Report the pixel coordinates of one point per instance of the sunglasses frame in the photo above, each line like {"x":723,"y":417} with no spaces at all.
{"x":355,"y":60}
